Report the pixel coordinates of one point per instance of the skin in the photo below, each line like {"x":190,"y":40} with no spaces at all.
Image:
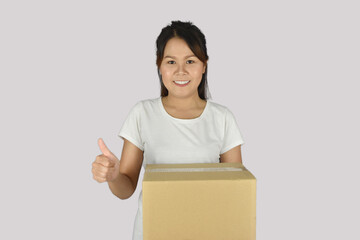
{"x":179,"y":63}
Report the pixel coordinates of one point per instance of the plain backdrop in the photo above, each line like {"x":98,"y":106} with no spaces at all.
{"x":71,"y":71}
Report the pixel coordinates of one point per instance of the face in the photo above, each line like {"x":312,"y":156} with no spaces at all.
{"x":181,"y":70}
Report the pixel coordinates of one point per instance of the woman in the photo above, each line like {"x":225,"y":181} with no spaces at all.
{"x":181,"y":126}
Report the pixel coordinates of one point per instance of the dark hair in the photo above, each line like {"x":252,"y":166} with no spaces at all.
{"x":195,"y":39}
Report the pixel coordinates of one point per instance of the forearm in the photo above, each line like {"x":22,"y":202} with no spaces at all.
{"x":122,"y":187}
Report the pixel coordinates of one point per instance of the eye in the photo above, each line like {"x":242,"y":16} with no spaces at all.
{"x":171,"y":62}
{"x":190,"y":61}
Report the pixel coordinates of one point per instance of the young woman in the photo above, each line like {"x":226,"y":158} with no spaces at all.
{"x":181,"y":126}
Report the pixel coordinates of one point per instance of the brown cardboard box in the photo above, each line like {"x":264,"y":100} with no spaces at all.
{"x":199,"y":201}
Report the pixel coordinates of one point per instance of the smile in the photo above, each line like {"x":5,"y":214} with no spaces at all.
{"x":181,"y":83}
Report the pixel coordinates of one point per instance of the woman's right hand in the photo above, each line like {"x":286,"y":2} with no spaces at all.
{"x":106,"y":166}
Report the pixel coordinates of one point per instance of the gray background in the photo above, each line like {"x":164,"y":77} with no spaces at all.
{"x":72,"y":70}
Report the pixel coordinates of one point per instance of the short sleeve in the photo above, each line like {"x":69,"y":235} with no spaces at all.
{"x":232,"y":134}
{"x":131,"y":129}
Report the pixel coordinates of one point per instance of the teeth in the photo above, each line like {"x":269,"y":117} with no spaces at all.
{"x":182,"y":82}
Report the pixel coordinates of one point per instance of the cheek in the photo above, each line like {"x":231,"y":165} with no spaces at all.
{"x":165,"y":71}
{"x":166,"y":75}
{"x":198,"y":72}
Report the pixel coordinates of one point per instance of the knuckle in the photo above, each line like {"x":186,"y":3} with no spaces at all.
{"x":99,"y":157}
{"x":98,"y":179}
{"x":95,"y":173}
{"x":94,"y":164}
{"x":95,"y":178}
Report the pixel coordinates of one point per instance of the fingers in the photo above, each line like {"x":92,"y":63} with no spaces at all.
{"x":99,"y":179}
{"x":104,"y":161}
{"x":100,"y":172}
{"x":100,"y":167}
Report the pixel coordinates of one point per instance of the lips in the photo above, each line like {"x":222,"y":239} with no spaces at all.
{"x":181,"y":83}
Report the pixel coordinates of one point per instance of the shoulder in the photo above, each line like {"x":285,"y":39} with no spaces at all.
{"x":146,"y":104}
{"x":218,"y":109}
{"x":145,"y":108}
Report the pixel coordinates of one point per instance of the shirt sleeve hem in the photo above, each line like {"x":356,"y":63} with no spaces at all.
{"x":132,"y":140}
{"x":232,"y":146}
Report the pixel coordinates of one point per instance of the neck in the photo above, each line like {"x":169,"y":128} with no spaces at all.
{"x":182,"y":103}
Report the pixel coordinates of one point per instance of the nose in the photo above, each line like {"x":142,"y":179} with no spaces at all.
{"x":181,"y":69}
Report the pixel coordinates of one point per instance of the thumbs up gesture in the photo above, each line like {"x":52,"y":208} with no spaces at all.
{"x":106,"y":166}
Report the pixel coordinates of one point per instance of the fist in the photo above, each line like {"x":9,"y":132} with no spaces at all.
{"x":106,"y":166}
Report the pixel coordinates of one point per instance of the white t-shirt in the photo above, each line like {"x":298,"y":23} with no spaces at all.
{"x":166,"y":140}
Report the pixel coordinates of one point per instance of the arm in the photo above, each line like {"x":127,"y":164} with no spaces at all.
{"x":233,"y":155}
{"x":122,"y":187}
{"x":130,"y":166}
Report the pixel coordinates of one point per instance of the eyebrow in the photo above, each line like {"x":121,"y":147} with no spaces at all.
{"x":192,"y":55}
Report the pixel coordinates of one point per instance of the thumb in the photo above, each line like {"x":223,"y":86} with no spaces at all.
{"x":104,"y":149}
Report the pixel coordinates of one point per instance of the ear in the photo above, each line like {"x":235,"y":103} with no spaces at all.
{"x":204,"y":68}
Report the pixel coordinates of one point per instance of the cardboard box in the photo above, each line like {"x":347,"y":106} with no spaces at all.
{"x":200,"y":201}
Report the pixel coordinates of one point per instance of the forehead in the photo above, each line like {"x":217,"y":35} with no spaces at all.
{"x":177,"y":46}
